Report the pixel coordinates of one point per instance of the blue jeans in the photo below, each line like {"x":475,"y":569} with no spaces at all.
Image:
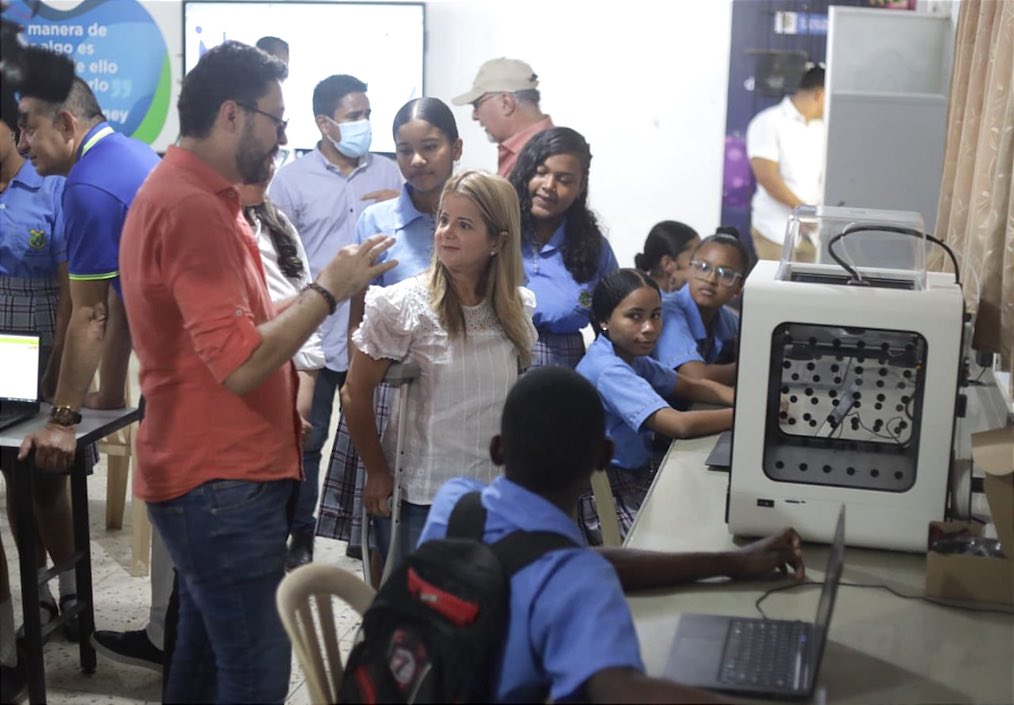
{"x":226,"y":539}
{"x":328,"y":382}
{"x":413,"y":519}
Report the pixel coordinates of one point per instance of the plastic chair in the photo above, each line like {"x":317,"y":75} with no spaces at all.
{"x":315,"y":641}
{"x":605,"y":505}
{"x":119,"y":449}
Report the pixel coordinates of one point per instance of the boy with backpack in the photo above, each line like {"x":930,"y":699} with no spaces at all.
{"x":570,"y":634}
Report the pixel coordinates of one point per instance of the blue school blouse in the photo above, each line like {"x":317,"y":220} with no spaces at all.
{"x":630,"y":395}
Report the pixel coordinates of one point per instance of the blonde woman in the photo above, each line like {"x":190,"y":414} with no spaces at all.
{"x":467,"y":322}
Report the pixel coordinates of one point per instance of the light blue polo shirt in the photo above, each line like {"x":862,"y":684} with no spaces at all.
{"x":562,"y":305}
{"x":630,"y":395}
{"x":32,"y":242}
{"x":684,"y":337}
{"x":568,"y":619}
{"x":411,"y":229}
{"x":100,"y":187}
{"x":324,"y":205}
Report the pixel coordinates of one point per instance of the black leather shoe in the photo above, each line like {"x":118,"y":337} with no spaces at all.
{"x":354,"y":551}
{"x":300,"y":551}
{"x":134,"y":648}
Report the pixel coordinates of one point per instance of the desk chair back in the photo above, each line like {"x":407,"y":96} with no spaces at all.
{"x":305,"y":604}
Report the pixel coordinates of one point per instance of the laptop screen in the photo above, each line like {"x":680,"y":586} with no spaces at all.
{"x":19,"y":367}
{"x":831,"y":578}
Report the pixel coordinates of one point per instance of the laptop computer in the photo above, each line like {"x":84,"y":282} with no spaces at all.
{"x":720,"y":457}
{"x":755,"y":656}
{"x":19,"y":377}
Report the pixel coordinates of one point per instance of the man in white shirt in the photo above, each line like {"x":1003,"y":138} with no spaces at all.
{"x":785,"y":144}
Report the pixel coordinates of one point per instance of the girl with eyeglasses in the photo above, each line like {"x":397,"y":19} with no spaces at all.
{"x":698,"y":337}
{"x":627,"y":316}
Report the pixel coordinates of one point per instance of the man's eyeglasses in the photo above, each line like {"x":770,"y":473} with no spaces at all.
{"x":482,"y":99}
{"x":726,"y":276}
{"x":280,"y":124}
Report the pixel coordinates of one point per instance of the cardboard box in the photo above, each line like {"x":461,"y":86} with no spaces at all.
{"x":975,"y":577}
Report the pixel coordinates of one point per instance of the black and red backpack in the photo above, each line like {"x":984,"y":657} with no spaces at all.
{"x":441,"y":618}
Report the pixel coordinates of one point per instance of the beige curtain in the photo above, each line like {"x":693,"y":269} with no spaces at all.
{"x":976,"y":213}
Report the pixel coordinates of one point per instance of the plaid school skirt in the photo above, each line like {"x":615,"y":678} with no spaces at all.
{"x":557,"y":350}
{"x":629,"y":490}
{"x":29,"y":305}
{"x":340,"y":514}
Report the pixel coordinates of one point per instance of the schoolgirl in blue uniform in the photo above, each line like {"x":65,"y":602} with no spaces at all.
{"x":668,"y":250}
{"x":427,"y":146}
{"x":33,"y":253}
{"x":627,"y":316}
{"x":699,"y":330}
{"x":34,"y":298}
{"x":565,"y":254}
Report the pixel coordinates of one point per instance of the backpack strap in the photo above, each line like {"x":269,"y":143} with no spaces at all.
{"x":519,"y":548}
{"x":515,"y":550}
{"x":468,"y":518}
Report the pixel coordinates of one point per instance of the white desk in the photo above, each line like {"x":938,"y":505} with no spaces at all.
{"x":881,"y":648}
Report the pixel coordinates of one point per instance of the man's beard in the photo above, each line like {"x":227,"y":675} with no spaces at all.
{"x":254,"y":166}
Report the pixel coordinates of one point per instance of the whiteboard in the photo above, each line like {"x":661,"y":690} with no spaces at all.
{"x":381,"y":44}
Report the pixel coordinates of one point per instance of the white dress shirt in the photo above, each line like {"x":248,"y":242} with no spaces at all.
{"x":781,"y":134}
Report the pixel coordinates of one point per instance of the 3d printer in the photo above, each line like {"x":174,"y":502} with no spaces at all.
{"x":847,"y":394}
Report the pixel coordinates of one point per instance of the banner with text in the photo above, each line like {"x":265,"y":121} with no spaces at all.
{"x":117,"y":48}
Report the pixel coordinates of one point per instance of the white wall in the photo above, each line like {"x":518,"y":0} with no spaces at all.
{"x":169,"y":16}
{"x":645,"y":82}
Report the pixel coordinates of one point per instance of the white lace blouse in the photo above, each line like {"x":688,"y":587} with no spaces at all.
{"x":454,"y":406}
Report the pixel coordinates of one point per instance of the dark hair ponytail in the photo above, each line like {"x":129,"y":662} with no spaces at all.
{"x":283,"y":237}
{"x":668,"y":237}
{"x":431,"y":110}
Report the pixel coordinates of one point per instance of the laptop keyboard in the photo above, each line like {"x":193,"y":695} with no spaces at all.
{"x":763,"y":653}
{"x":8,"y":417}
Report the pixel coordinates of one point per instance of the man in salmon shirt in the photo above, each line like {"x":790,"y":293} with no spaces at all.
{"x":505,"y":102}
{"x":218,"y":451}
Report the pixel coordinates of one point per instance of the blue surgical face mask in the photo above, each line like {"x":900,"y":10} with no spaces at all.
{"x":356,"y":138}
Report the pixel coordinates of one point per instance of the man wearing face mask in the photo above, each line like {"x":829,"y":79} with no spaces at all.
{"x":323,"y":193}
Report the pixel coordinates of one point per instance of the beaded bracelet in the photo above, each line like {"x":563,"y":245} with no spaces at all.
{"x":332,"y":302}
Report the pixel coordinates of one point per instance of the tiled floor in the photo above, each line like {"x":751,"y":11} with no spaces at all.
{"x":121,"y":603}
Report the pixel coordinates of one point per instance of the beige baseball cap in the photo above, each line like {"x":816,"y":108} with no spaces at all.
{"x":500,"y":75}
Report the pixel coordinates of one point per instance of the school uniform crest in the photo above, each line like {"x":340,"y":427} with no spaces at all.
{"x":36,"y":239}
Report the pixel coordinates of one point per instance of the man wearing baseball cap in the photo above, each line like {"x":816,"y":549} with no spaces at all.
{"x":505,"y":101}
